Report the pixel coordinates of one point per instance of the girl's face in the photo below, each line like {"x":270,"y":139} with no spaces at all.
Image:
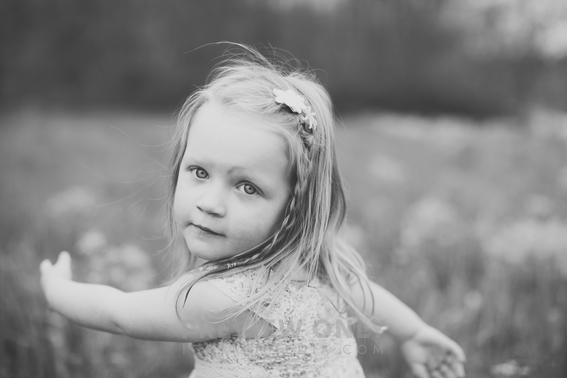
{"x":233,"y":184}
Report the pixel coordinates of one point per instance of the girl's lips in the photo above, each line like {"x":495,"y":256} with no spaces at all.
{"x":205,"y":229}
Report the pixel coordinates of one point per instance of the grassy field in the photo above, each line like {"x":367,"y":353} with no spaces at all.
{"x":466,"y":222}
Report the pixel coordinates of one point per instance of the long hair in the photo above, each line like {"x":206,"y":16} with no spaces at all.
{"x":307,"y":236}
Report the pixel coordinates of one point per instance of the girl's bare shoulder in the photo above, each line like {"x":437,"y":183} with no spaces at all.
{"x":215,"y":307}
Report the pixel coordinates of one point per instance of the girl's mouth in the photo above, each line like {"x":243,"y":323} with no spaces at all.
{"x":205,"y":229}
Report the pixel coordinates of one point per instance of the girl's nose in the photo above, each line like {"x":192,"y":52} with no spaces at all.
{"x":212,"y":202}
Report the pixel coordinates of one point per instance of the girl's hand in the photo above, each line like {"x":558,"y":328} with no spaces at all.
{"x":430,"y":353}
{"x":60,"y":270}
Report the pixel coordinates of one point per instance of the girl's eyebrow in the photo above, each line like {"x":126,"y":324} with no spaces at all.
{"x":187,"y":156}
{"x":247,"y":174}
{"x":194,"y":160}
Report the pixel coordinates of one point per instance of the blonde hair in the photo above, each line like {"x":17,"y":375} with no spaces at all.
{"x":307,"y":236}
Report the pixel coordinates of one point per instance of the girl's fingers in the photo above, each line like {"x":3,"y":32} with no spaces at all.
{"x":64,"y":260}
{"x":435,"y":358}
{"x":458,"y":368}
{"x":455,"y":349}
{"x":436,"y":374}
{"x":419,"y":371}
{"x":64,"y":257}
{"x":45,"y":266}
{"x":447,"y":371}
{"x":449,"y":362}
{"x":455,"y":365}
{"x":435,"y":371}
{"x":459,"y":353}
{"x":447,"y":367}
{"x":61,"y":268}
{"x":443,"y":370}
{"x":449,"y":346}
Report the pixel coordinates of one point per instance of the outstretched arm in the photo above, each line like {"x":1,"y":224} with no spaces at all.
{"x":428,"y":352}
{"x":148,"y":314}
{"x":402,"y":321}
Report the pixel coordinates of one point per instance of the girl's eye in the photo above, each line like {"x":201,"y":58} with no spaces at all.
{"x":249,"y":189}
{"x":200,"y":173}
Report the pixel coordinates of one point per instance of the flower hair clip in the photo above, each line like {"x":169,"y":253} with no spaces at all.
{"x":296,"y":104}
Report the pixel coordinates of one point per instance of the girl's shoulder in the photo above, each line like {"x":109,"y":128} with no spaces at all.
{"x":204,"y":306}
{"x":237,"y":285}
{"x":279,"y":304}
{"x":240,"y":284}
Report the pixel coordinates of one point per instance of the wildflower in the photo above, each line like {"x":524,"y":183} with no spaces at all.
{"x":509,"y":369}
{"x":473,"y":300}
{"x":91,"y":242}
{"x":538,"y":205}
{"x":126,"y":267}
{"x":73,"y":201}
{"x":133,"y":257}
{"x":514,"y":242}
{"x":431,"y":219}
{"x":387,"y":169}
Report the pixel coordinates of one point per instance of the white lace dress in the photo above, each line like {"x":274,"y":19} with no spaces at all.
{"x":308,"y":341}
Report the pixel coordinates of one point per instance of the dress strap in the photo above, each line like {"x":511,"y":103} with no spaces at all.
{"x":239,"y":286}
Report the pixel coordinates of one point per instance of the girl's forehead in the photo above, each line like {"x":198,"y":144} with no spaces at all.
{"x":212,"y":111}
{"x":216,"y":121}
{"x":234,"y":140}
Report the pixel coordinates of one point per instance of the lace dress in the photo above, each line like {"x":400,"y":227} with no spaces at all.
{"x":309,"y":340}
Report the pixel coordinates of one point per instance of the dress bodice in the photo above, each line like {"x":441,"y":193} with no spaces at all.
{"x":311,"y":337}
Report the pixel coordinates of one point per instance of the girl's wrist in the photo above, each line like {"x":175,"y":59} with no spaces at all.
{"x":417,"y":327}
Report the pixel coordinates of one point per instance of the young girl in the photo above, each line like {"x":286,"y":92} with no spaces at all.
{"x":266,"y":287}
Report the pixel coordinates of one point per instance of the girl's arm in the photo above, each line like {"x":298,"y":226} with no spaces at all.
{"x":148,"y":314}
{"x":402,"y":321}
{"x":428,"y":352}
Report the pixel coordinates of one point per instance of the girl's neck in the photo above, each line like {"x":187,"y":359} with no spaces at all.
{"x":199,"y":262}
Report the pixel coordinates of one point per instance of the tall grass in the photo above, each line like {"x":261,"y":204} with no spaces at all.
{"x":464,"y":223}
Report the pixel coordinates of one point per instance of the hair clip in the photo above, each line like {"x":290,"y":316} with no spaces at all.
{"x":296,"y":104}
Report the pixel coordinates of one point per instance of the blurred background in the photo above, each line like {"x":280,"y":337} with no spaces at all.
{"x":452,"y":143}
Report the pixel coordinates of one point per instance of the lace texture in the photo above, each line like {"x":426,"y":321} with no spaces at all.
{"x":311,"y":337}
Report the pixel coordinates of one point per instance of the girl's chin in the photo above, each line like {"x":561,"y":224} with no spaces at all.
{"x":206,"y":251}
{"x":204,"y":255}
